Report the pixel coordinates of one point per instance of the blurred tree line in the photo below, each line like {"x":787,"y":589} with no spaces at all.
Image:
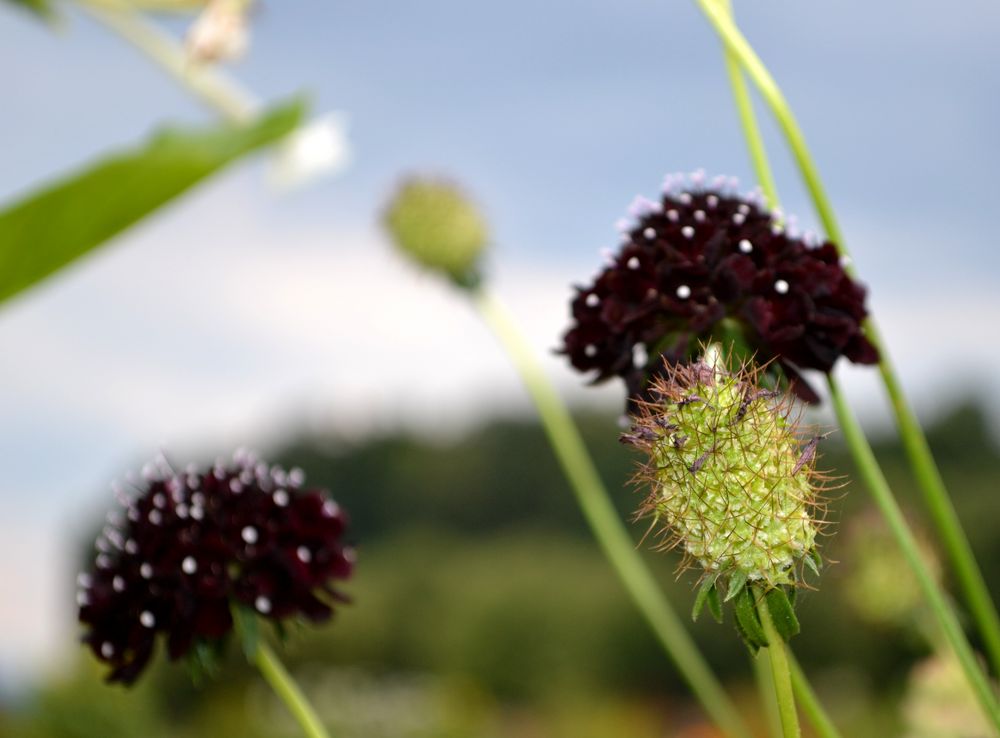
{"x":481,"y":606}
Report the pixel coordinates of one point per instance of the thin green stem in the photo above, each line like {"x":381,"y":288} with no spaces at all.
{"x":217,"y":90}
{"x":809,"y":702}
{"x":943,"y":515}
{"x":779,"y":669}
{"x":285,"y":687}
{"x":768,"y":698}
{"x":870,"y":471}
{"x":604,"y":521}
{"x":748,"y":121}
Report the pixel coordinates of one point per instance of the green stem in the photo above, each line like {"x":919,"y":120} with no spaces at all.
{"x":604,"y":521}
{"x":809,"y":702}
{"x":286,"y":688}
{"x":946,"y":521}
{"x":779,"y":669}
{"x":748,"y":121}
{"x":217,"y":90}
{"x":863,"y":456}
{"x":768,"y":698}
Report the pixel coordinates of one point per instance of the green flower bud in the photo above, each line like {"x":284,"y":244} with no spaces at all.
{"x":435,"y":224}
{"x":734,"y":486}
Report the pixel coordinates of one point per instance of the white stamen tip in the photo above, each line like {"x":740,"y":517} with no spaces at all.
{"x":304,"y":554}
{"x":673,"y":216}
{"x":147,"y":619}
{"x":249,"y":534}
{"x":781,"y":287}
{"x":687,"y":232}
{"x":331,"y":508}
{"x":739,"y":218}
{"x":262,"y":604}
{"x":189,"y":565}
{"x":649,"y":233}
{"x":633,"y":263}
{"x":146,"y":571}
{"x":590,"y":350}
{"x":280,"y":497}
{"x":107,"y":650}
{"x":699,"y":215}
{"x":592,"y":300}
{"x":683,"y":292}
{"x":745,"y":246}
{"x":118,"y":584}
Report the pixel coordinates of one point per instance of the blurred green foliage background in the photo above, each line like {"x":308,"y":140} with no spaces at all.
{"x":482,"y":607}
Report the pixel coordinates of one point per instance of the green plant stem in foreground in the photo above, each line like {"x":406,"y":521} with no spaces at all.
{"x":765,"y":689}
{"x":286,"y":688}
{"x":604,"y":521}
{"x":215,"y":89}
{"x":942,"y":512}
{"x":863,"y":456}
{"x":780,"y":672}
{"x":809,"y":702}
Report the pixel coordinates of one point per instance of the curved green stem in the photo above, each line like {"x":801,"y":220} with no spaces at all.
{"x":748,"y":121}
{"x":604,"y":521}
{"x":780,"y":671}
{"x":768,"y":698}
{"x":286,"y":688}
{"x":809,"y":702}
{"x":946,"y":521}
{"x":863,"y":456}
{"x":220,"y":92}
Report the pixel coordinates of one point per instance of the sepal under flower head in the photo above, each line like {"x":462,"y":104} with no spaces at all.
{"x":734,"y":487}
{"x":189,"y":547}
{"x":703,"y":262}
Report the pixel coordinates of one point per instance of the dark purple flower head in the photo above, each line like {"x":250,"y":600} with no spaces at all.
{"x":704,"y":263}
{"x":190,"y":546}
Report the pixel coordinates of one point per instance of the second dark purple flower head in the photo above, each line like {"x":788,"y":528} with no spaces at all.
{"x":702,"y":264}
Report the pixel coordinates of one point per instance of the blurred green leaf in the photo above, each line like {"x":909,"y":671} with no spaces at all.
{"x":42,"y":8}
{"x":49,"y":229}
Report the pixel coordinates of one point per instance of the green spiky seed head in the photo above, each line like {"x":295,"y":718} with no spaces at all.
{"x":733,"y":484}
{"x":434,"y":223}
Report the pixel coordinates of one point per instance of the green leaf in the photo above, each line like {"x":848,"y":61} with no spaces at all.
{"x":814,"y":561}
{"x":782,"y":613}
{"x":715,"y":604}
{"x":701,"y":598}
{"x":49,"y":229}
{"x":247,"y":627}
{"x":747,"y":620}
{"x":42,"y":8}
{"x":203,"y":660}
{"x":737,"y":582}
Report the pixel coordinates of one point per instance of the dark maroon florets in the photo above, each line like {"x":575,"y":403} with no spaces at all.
{"x":703,"y":263}
{"x":190,"y":546}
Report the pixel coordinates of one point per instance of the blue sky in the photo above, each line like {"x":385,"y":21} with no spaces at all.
{"x":241,"y":313}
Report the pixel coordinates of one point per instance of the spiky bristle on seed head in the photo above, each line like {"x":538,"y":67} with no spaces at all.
{"x":733,"y":482}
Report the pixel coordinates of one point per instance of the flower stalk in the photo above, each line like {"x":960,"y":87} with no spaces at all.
{"x":780,"y":670}
{"x":288,"y":691}
{"x":945,"y":519}
{"x":221,"y":93}
{"x":603,"y":519}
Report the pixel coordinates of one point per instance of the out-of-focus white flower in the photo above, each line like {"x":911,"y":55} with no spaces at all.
{"x":221,"y":32}
{"x":320,"y":148}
